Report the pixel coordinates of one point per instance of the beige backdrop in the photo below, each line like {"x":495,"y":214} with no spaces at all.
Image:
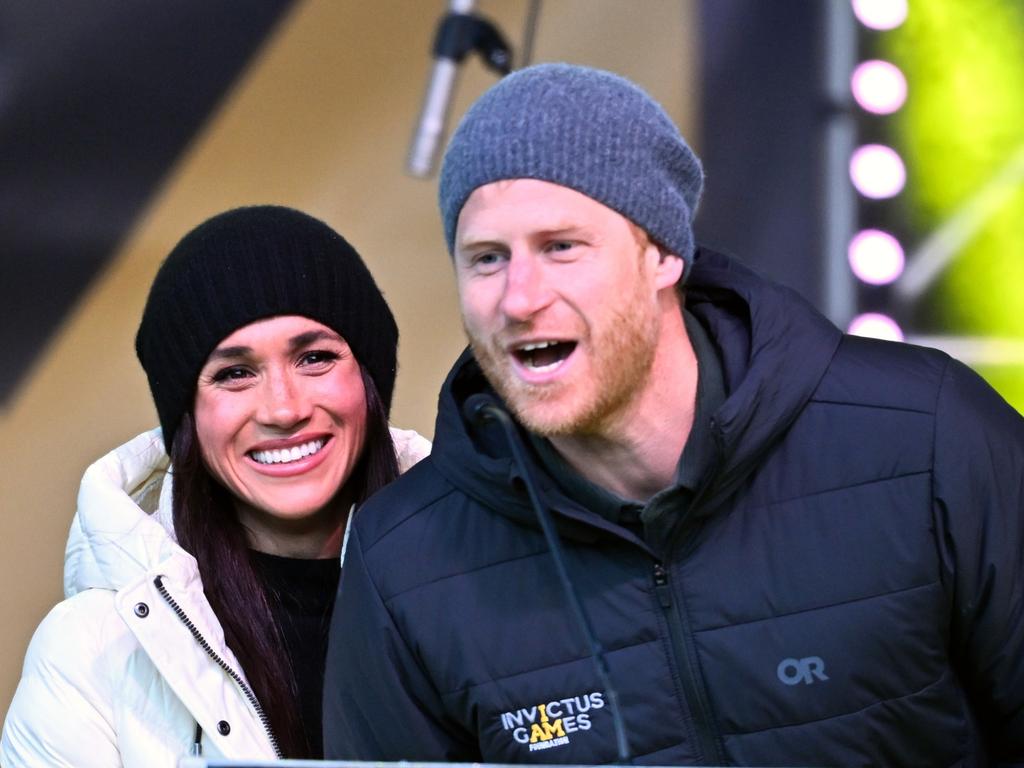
{"x":320,"y":121}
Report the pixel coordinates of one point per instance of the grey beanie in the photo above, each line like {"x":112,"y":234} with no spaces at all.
{"x":585,"y":129}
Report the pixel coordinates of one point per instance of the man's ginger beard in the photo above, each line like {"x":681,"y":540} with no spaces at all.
{"x":620,"y":341}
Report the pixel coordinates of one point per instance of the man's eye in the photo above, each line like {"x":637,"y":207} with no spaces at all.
{"x":488,"y":261}
{"x":562,"y":250}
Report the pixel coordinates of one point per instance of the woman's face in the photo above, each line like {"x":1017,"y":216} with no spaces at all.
{"x":280,"y":413}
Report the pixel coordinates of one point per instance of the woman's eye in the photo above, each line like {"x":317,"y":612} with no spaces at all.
{"x":231,"y":373}
{"x":318,"y":357}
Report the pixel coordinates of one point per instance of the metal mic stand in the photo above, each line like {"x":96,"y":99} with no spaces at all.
{"x":458,"y":33}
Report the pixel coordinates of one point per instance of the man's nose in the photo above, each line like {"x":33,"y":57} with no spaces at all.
{"x":527,"y":288}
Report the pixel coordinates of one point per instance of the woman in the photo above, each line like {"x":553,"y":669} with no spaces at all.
{"x":199,"y":588}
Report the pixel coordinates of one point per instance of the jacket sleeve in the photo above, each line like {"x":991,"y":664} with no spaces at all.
{"x":979,"y":497}
{"x":61,"y":714}
{"x":379,"y":703}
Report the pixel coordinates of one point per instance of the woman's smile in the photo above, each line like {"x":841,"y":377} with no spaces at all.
{"x":281,"y":419}
{"x":287,"y":455}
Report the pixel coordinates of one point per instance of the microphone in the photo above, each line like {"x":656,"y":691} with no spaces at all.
{"x":458,"y":33}
{"x":479,"y":409}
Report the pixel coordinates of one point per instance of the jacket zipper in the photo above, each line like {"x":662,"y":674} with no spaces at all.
{"x":693,"y":690}
{"x":180,"y":613}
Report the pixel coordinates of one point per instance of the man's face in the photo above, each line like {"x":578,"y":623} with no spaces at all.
{"x":559,"y":298}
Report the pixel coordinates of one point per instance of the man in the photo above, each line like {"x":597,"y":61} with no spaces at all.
{"x":796,"y":547}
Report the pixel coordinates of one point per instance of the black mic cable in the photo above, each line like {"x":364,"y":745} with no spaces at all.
{"x":477,"y":409}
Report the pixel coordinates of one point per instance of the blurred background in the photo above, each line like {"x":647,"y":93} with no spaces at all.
{"x":870,"y":157}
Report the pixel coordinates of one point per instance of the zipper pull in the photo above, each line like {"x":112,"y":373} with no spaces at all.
{"x":197,"y":742}
{"x":661,"y":587}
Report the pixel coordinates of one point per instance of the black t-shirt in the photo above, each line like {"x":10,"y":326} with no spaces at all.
{"x":301,"y":596}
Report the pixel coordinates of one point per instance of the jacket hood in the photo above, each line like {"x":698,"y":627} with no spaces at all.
{"x":122,"y":525}
{"x":774,"y":349}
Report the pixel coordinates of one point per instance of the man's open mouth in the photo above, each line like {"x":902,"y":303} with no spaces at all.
{"x":543,"y":355}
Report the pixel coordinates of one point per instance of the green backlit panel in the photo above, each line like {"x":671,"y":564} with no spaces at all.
{"x":962,"y":126}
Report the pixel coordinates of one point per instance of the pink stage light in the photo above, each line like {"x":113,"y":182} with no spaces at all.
{"x":880,"y":14}
{"x":875,"y":326}
{"x":876,"y":257}
{"x":877,"y":171}
{"x":879,"y":87}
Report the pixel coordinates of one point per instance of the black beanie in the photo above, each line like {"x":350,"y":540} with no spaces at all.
{"x":249,"y":264}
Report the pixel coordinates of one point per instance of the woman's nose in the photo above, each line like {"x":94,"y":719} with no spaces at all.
{"x":284,"y":401}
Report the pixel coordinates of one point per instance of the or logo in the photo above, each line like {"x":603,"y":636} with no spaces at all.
{"x":552,"y":724}
{"x":794,"y":671}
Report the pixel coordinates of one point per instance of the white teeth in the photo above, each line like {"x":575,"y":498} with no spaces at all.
{"x":528,"y":360}
{"x":537,"y":345}
{"x":287,"y":454}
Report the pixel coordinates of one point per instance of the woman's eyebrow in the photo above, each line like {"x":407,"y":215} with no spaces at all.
{"x":295,"y":342}
{"x":225,"y":352}
{"x":307,"y":338}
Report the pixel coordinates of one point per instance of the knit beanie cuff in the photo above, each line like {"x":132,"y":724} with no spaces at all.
{"x":585,"y":129}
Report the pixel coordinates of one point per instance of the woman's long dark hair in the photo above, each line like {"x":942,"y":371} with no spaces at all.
{"x":207,"y":527}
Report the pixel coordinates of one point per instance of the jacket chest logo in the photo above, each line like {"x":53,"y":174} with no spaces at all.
{"x":806,"y":670}
{"x":552,"y":723}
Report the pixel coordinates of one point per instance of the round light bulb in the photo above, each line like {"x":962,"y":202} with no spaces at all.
{"x":879,"y":87}
{"x":876,"y":257}
{"x":875,"y":326}
{"x":880,"y":14}
{"x":877,"y":171}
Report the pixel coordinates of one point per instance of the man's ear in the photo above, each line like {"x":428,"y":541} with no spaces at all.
{"x":669,"y":269}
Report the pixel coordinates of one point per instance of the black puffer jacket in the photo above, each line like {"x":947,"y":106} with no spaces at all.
{"x":848,"y":588}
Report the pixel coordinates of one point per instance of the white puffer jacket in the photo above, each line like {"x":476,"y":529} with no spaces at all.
{"x":114,"y":675}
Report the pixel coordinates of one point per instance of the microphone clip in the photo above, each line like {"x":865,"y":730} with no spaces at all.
{"x":459,"y":34}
